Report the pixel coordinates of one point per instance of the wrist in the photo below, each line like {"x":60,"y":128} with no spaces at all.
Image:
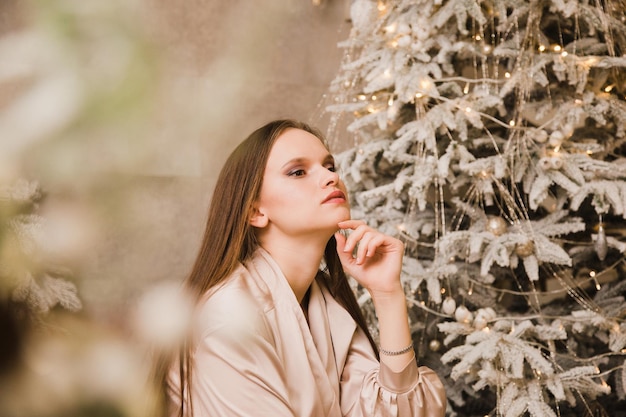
{"x":390,"y":294}
{"x":386,"y":300}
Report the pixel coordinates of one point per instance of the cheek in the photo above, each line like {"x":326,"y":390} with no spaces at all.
{"x":279,"y":198}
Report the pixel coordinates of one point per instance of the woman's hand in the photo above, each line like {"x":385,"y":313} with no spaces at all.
{"x":378,"y":259}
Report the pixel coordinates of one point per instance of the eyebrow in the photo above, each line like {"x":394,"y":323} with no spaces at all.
{"x":328,"y":158}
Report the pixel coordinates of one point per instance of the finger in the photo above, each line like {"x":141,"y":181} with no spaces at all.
{"x":351,"y":224}
{"x":374,"y":244}
{"x":345,"y":258}
{"x":354,"y":237}
{"x":363,"y":249}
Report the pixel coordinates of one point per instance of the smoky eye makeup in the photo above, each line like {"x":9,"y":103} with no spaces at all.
{"x":296,"y":172}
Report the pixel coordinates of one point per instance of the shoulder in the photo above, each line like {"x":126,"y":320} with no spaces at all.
{"x":235,"y":305}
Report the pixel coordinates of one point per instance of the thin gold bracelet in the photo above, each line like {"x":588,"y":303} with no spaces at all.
{"x":396,"y":352}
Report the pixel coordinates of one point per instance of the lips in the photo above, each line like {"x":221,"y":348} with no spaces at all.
{"x":335,"y":197}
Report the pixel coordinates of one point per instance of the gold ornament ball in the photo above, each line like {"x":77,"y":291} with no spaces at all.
{"x":496,"y":225}
{"x":434,"y":345}
{"x":525,"y":249}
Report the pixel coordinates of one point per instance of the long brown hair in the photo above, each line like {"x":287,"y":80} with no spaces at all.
{"x":229,"y":240}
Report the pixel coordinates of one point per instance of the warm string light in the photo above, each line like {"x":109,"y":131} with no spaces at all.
{"x":592,"y":274}
{"x":391,"y":28}
{"x":382,"y":7}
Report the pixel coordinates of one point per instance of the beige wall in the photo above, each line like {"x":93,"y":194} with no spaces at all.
{"x":230,"y":66}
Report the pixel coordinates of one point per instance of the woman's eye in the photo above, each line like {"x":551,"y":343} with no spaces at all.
{"x":331,"y":168}
{"x":296,"y":173}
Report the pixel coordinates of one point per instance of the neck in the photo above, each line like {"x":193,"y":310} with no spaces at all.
{"x":299,"y":261}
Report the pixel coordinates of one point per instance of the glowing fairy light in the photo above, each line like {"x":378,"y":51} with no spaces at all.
{"x":425,"y":84}
{"x":362,"y":97}
{"x":564,"y":53}
{"x":507,"y":75}
{"x":542,"y":48}
{"x":592,"y":274}
{"x":557,"y":48}
{"x":512,"y":123}
{"x":609,"y":88}
{"x":391,"y":28}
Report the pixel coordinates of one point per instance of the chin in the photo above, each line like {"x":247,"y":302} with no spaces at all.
{"x":344,"y":215}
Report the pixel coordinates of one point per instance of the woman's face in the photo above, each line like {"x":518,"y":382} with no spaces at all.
{"x":301,"y":192}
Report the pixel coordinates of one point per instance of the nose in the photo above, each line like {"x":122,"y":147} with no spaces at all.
{"x":329,"y":178}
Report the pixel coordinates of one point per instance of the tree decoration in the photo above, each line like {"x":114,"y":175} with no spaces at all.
{"x":489,"y":130}
{"x":525,"y":248}
{"x":434,"y":345}
{"x":601,"y":244}
{"x":496,"y":225}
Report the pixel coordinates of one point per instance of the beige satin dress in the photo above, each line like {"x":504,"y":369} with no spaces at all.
{"x":256,"y":355}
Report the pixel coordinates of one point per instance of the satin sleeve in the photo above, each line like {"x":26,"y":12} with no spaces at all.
{"x":236,"y":368}
{"x":369,"y":388}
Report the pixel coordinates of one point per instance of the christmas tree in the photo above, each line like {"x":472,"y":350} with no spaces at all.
{"x":489,"y":136}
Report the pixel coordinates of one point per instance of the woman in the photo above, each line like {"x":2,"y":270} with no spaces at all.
{"x":275,"y":335}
